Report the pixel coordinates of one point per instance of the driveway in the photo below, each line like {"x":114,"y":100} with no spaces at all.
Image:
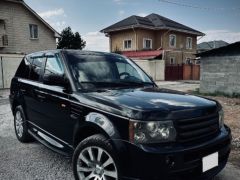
{"x":33,"y":161}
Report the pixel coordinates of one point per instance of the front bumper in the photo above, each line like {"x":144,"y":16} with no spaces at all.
{"x":175,"y":161}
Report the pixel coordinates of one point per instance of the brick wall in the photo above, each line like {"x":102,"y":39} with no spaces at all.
{"x":220,"y":74}
{"x":17,"y":19}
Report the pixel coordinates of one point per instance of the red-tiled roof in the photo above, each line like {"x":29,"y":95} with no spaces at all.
{"x":142,"y":54}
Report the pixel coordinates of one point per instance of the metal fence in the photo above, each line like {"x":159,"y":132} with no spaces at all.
{"x":8,"y":66}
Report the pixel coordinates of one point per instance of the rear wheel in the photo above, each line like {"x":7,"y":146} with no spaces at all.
{"x":94,"y":159}
{"x":20,"y":125}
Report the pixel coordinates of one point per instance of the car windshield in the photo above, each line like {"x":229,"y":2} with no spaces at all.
{"x":93,"y":71}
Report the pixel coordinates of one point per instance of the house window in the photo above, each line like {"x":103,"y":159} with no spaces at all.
{"x":188,"y":61}
{"x":127,"y":44}
{"x":147,"y":43}
{"x":33,"y":31}
{"x":189,"y":43}
{"x":172,"y":40}
{"x":172,"y":60}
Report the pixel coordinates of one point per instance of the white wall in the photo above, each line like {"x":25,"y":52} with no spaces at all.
{"x":154,"y":68}
{"x":8,"y":66}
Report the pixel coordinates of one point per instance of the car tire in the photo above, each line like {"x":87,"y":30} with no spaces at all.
{"x":94,"y":158}
{"x":20,"y":126}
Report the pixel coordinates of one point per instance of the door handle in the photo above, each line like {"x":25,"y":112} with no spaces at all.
{"x":41,"y":96}
{"x":23,"y":90}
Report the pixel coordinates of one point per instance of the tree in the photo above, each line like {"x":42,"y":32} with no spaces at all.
{"x":69,"y":40}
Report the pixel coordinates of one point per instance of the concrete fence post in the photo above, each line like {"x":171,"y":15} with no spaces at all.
{"x":1,"y":73}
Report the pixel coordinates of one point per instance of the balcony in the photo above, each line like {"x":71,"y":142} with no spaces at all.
{"x":3,"y":41}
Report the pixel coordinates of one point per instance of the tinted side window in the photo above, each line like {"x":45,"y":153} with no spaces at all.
{"x":24,"y":68}
{"x":36,"y":68}
{"x":53,"y":66}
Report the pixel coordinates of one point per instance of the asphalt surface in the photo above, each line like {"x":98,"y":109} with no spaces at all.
{"x":34,"y":161}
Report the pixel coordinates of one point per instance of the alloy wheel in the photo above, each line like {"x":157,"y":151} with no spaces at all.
{"x":19,"y":124}
{"x":94,"y":163}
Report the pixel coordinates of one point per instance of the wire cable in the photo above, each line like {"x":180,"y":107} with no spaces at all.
{"x":197,"y":7}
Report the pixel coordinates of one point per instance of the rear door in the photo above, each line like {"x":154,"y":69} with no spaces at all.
{"x":31,"y":87}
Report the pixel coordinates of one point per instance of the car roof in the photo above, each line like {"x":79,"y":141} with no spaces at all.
{"x":72,"y":51}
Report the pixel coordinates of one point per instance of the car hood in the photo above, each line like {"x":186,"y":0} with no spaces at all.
{"x":150,"y":103}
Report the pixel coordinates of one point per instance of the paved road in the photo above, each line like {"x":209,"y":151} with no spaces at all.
{"x":33,"y":161}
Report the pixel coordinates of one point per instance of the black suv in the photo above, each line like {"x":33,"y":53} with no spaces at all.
{"x":107,"y":113}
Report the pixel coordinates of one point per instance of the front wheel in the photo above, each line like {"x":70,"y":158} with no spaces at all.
{"x":94,"y":159}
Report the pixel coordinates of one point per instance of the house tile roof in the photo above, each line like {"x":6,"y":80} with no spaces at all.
{"x":229,"y":50}
{"x":142,"y":54}
{"x":211,"y":45}
{"x":152,"y":21}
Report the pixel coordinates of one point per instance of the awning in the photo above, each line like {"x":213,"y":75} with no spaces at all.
{"x":142,"y":54}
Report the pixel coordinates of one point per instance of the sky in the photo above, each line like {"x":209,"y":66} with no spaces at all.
{"x":218,"y":19}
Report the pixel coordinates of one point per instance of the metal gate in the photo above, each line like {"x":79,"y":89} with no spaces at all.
{"x":173,"y":72}
{"x":182,"y":72}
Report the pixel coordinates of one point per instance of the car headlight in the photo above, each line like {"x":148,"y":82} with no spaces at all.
{"x":221,"y":118}
{"x":151,"y":132}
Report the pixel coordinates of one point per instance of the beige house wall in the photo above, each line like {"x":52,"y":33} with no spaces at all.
{"x":181,"y":40}
{"x":17,"y":19}
{"x":117,"y":39}
{"x":160,"y":39}
{"x":142,"y":34}
{"x":179,"y":56}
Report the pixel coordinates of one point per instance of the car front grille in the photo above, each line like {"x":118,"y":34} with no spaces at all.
{"x":197,"y":129}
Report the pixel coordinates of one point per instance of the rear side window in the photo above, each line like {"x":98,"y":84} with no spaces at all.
{"x":24,"y":68}
{"x":36,"y":68}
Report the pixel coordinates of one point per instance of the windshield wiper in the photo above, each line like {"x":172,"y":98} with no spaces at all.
{"x":140,"y":83}
{"x":105,"y":84}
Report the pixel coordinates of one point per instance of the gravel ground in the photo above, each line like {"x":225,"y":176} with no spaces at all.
{"x":34,"y":161}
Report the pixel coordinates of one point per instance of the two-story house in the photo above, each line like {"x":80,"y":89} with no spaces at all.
{"x":22,"y":30}
{"x":153,"y":36}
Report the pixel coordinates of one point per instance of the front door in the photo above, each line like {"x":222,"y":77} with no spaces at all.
{"x":56,"y":106}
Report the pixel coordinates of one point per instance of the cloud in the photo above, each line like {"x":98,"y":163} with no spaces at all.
{"x":142,"y":14}
{"x":52,"y":13}
{"x":96,"y":41}
{"x":225,"y":35}
{"x":118,"y":2}
{"x":59,"y":25}
{"x":121,"y":12}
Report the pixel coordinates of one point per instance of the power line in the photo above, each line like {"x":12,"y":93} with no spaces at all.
{"x":197,"y":7}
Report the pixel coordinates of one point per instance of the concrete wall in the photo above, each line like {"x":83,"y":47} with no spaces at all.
{"x":154,"y":68}
{"x":17,"y":19}
{"x":220,"y":74}
{"x":8,"y":67}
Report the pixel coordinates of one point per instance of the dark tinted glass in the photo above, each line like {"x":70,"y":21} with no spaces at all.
{"x":53,"y":66}
{"x":24,"y":68}
{"x":36,"y":68}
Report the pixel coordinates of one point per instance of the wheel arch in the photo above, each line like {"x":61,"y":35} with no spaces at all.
{"x":95,"y":123}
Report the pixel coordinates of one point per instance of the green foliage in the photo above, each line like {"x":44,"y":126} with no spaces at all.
{"x":69,"y":40}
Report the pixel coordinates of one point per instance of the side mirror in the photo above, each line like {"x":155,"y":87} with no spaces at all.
{"x":56,"y":80}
